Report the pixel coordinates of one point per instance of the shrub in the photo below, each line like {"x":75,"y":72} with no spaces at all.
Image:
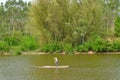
{"x":16,"y":50}
{"x":109,"y":47}
{"x":45,"y":48}
{"x":29,"y":43}
{"x":12,"y":40}
{"x":82,"y":48}
{"x":52,"y":47}
{"x":95,"y":44}
{"x":68,"y":48}
{"x":4,"y":46}
{"x":98,"y":44}
{"x":116,"y":45}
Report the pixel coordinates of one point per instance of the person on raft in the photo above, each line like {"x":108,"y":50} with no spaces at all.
{"x":56,"y":61}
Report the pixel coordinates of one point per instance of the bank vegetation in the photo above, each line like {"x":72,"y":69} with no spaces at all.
{"x":60,"y":26}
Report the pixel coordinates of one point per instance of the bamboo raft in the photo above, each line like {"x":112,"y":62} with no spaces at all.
{"x":50,"y":66}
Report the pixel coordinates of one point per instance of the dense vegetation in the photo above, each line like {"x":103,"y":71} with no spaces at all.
{"x":60,"y":26}
{"x":14,"y":38}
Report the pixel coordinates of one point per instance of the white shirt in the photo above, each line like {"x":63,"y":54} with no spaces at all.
{"x":56,"y":60}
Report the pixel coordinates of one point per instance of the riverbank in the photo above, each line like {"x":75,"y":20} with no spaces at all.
{"x":90,"y":52}
{"x":42,"y":53}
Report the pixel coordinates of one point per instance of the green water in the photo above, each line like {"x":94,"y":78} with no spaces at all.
{"x":82,"y":67}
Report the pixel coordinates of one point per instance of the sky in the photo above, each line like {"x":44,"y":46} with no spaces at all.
{"x":6,"y":0}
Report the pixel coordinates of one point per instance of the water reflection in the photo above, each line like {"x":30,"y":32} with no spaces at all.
{"x":82,"y":67}
{"x":56,"y":74}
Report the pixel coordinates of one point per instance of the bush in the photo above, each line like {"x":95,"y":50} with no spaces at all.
{"x":116,"y":45}
{"x":4,"y":46}
{"x":52,"y":47}
{"x":12,"y":41}
{"x":68,"y":48}
{"x":55,"y":47}
{"x":29,"y":43}
{"x":82,"y":48}
{"x":16,"y":50}
{"x":96,"y":44}
{"x":109,"y":47}
{"x":100,"y":45}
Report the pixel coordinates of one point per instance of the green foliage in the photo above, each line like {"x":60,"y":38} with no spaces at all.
{"x":82,"y":48}
{"x":55,"y":47}
{"x":13,"y":17}
{"x":68,"y":48}
{"x":16,"y":45}
{"x":66,"y":20}
{"x":16,"y":50}
{"x":12,"y":41}
{"x":29,"y":43}
{"x":70,"y":22}
{"x":52,"y":47}
{"x":100,"y":45}
{"x":116,"y":45}
{"x":117,"y":26}
{"x":96,"y":44}
{"x":108,"y":47}
{"x":4,"y":46}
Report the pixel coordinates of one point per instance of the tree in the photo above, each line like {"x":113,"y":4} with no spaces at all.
{"x":13,"y":18}
{"x":117,"y":26}
{"x":66,"y":21}
{"x":111,"y":10}
{"x":16,"y":14}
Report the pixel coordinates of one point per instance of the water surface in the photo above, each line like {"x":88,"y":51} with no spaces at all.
{"x":82,"y":67}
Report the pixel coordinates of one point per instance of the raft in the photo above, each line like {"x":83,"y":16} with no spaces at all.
{"x":50,"y":66}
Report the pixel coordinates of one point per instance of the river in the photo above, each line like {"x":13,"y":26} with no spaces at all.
{"x":81,"y":67}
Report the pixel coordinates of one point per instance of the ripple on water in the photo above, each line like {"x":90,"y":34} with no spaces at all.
{"x":82,"y":67}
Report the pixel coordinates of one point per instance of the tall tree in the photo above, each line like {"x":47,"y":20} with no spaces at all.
{"x":111,"y":10}
{"x":16,"y":14}
{"x":67,"y":21}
